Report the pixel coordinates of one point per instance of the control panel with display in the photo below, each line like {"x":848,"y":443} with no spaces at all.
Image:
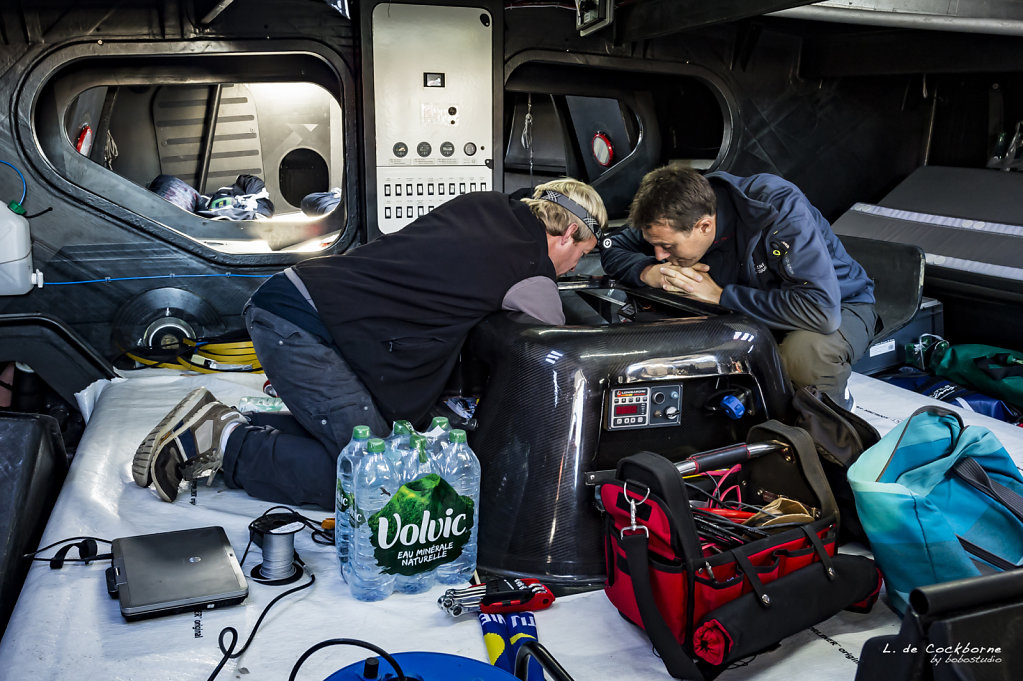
{"x":643,"y":407}
{"x":433,"y":103}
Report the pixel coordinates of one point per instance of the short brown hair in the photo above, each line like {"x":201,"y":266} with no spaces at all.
{"x":556,"y":219}
{"x":677,"y":196}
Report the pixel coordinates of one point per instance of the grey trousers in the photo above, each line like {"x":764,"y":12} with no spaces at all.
{"x":825,"y":360}
{"x":293,"y":460}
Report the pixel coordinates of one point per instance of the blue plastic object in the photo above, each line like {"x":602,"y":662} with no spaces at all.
{"x":733,"y":407}
{"x":425,"y":667}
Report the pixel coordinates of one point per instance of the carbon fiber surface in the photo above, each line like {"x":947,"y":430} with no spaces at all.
{"x":542,"y":424}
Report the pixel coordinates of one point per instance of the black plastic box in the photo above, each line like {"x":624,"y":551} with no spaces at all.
{"x":890,"y":351}
{"x":33,"y":469}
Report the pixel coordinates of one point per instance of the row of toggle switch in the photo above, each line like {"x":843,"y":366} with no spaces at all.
{"x":432,"y":188}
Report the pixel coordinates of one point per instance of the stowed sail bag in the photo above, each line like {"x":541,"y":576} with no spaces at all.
{"x":937,"y":499}
{"x":704,"y":607}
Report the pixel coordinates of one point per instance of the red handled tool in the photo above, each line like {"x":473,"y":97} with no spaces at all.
{"x":497,"y":596}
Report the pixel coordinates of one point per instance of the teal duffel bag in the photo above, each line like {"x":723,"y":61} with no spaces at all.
{"x":939,"y":501}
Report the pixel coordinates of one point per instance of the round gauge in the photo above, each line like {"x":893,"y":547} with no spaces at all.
{"x":400,"y":149}
{"x":447,"y":149}
{"x":424,"y":149}
{"x":603,"y":151}
{"x":469,"y":149}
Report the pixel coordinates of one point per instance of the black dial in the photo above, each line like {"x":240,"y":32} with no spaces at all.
{"x":424,"y":149}
{"x":400,"y":149}
{"x":447,"y":149}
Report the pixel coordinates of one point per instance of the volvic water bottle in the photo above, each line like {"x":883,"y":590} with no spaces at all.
{"x":396,"y":445}
{"x":437,"y":435}
{"x":461,"y":469}
{"x":417,"y":465}
{"x":375,"y":484}
{"x":349,"y":457}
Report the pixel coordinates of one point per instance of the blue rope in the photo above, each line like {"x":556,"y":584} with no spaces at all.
{"x":156,"y":276}
{"x":24,"y":185}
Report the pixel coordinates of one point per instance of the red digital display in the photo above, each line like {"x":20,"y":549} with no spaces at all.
{"x":626,"y":409}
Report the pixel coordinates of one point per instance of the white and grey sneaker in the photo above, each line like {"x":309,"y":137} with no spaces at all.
{"x":192,"y":448}
{"x":143,"y":461}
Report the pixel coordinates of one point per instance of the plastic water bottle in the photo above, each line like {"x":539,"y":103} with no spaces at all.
{"x":437,"y":435}
{"x":461,"y":469}
{"x":417,"y":466}
{"x":349,"y":457}
{"x":397,"y":445}
{"x":261,"y":403}
{"x":375,"y":484}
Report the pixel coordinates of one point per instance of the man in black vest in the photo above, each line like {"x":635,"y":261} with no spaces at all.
{"x":371,"y":336}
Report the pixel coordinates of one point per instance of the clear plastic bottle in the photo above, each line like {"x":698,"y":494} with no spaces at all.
{"x":461,"y":469}
{"x":375,"y":484}
{"x":349,"y":457}
{"x":261,"y":403}
{"x":437,"y":436}
{"x":418,"y":466}
{"x":397,"y":445}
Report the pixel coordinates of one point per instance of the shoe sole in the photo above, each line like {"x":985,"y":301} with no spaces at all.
{"x":141,"y":465}
{"x":168,"y":480}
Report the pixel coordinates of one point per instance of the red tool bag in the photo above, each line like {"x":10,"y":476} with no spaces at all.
{"x":705,"y":605}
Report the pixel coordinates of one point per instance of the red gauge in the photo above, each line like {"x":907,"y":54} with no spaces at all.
{"x":603,"y":150}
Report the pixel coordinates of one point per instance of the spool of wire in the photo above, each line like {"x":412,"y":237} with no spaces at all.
{"x":275,"y":534}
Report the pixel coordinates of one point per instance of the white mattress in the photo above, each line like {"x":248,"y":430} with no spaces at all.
{"x":66,"y":626}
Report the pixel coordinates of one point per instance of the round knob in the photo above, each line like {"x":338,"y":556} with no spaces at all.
{"x":400,"y":149}
{"x":469,"y":149}
{"x":733,"y":407}
{"x":424,"y":149}
{"x":671,"y":412}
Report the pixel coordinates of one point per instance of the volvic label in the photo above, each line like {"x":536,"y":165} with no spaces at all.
{"x":425,"y":524}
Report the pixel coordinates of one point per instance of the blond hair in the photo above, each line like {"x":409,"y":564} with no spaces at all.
{"x":556,"y":218}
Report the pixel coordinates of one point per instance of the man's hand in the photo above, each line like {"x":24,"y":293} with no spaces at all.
{"x":694,"y":282}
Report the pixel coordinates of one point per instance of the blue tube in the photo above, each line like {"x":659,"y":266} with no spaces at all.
{"x":24,"y":185}
{"x":156,"y":276}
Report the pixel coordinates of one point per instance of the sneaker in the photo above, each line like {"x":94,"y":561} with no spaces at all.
{"x":192,"y":448}
{"x":143,"y":461}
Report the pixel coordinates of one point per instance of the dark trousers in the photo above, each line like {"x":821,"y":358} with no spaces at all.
{"x":825,"y":360}
{"x":293,"y":459}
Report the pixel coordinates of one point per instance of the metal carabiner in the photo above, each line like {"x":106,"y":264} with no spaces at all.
{"x":633,"y":527}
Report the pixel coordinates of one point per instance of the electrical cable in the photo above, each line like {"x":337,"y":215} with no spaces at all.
{"x":228,"y":650}
{"x":24,"y":185}
{"x":282,"y":552}
{"x":348,"y":642}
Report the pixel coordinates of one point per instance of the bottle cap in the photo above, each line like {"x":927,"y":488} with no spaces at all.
{"x":361,"y":433}
{"x":402,"y":428}
{"x":375,"y":445}
{"x":16,"y":207}
{"x":457,"y":435}
{"x":439,"y":422}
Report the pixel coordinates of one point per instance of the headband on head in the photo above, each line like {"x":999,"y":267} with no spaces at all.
{"x":573,"y":208}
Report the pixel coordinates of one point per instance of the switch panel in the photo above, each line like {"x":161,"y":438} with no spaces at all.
{"x":433,"y":100}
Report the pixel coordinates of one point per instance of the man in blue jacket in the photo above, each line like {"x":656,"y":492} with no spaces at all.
{"x":753,"y":245}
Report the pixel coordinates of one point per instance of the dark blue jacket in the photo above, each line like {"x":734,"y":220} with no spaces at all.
{"x":776,"y":257}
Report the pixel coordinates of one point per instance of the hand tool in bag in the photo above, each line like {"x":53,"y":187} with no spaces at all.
{"x":497,"y":596}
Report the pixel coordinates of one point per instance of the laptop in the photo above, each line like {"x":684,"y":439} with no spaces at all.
{"x":170,"y":572}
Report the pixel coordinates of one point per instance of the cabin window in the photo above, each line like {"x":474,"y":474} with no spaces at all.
{"x":237,"y":166}
{"x":608,"y":124}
